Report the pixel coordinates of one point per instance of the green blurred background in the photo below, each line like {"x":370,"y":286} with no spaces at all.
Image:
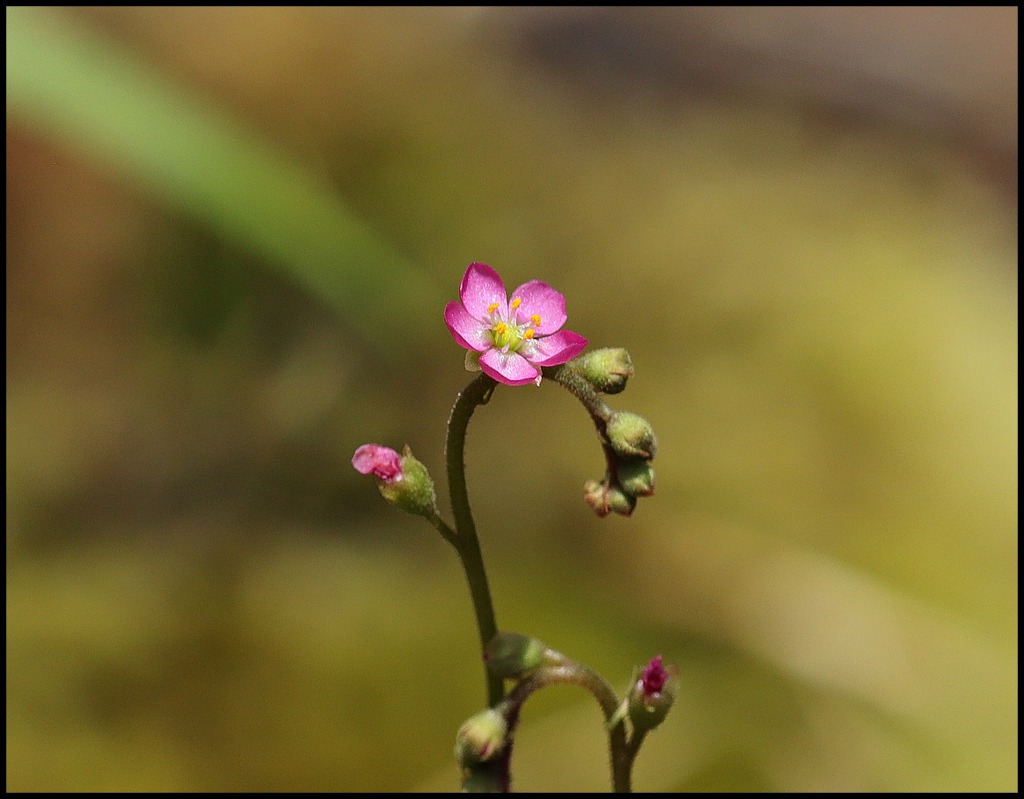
{"x":230,"y":236}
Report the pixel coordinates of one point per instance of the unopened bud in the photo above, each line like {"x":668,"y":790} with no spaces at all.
{"x":401,"y":479}
{"x":512,"y":655}
{"x":636,"y":477}
{"x":604,"y":499}
{"x":595,"y":495}
{"x":631,"y":435}
{"x":481,"y":737}
{"x":651,"y":696}
{"x":607,"y":370}
{"x":619,"y":501}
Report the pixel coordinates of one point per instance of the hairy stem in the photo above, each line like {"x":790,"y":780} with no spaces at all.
{"x":465,"y":540}
{"x":576,"y":384}
{"x":571,"y":673}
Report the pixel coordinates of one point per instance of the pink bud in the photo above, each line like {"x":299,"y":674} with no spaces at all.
{"x":382,"y":462}
{"x":654,"y":677}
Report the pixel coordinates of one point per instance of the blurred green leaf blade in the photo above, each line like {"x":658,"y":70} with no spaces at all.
{"x":102,"y":100}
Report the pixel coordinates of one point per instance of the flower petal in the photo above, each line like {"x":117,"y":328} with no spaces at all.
{"x":654,"y":677}
{"x":467,"y":331}
{"x":553,"y":350}
{"x":481,"y":288}
{"x":538,"y":298}
{"x":509,"y":368}
{"x":382,"y":462}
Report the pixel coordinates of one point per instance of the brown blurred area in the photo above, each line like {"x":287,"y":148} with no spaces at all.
{"x":946,"y":72}
{"x":801,"y":222}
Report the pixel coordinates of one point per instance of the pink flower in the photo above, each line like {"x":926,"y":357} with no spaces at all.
{"x":654,"y":677}
{"x":382,"y":462}
{"x":510,"y":338}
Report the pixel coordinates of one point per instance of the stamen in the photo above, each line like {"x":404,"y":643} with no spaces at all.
{"x":501,"y":328}
{"x":492,"y":307}
{"x":530,"y":333}
{"x":535,"y":318}
{"x":515,"y":303}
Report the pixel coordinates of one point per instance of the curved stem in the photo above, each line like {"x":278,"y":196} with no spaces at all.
{"x":439,"y":524}
{"x":634,"y":745}
{"x":576,"y":384}
{"x":572,"y":673}
{"x":465,"y":540}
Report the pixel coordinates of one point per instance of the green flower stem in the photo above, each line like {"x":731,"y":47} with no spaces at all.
{"x":576,"y":384}
{"x":635,"y":742}
{"x":464,"y":539}
{"x":447,"y":533}
{"x":571,"y":673}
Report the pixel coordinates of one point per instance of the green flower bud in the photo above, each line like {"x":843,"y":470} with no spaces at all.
{"x":413,"y":492}
{"x":636,"y":477}
{"x":652,"y":694}
{"x":481,"y":737}
{"x":595,"y":495}
{"x":604,"y":499}
{"x":631,"y":435}
{"x":512,"y":655}
{"x":607,"y":370}
{"x":619,"y":501}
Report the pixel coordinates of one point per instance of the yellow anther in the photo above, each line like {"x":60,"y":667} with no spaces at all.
{"x":535,"y":318}
{"x":492,"y":307}
{"x":501,"y":328}
{"x":515,"y":303}
{"x":530,"y":333}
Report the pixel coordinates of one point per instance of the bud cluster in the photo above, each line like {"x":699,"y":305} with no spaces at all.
{"x":629,"y":440}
